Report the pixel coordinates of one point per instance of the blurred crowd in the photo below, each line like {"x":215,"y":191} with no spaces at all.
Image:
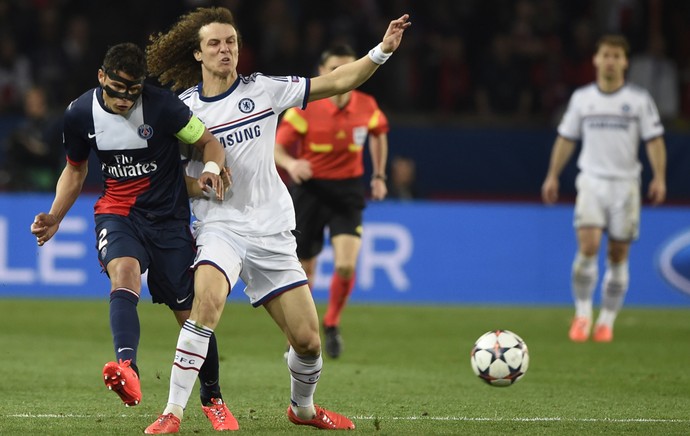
{"x":481,"y":62}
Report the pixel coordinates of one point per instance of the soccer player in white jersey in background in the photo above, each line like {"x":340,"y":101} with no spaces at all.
{"x":248,"y":235}
{"x":610,"y":117}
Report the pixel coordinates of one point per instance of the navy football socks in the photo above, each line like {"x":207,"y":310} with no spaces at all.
{"x":209,"y":374}
{"x":124,"y":324}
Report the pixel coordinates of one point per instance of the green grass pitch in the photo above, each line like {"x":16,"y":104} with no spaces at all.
{"x":405,"y":371}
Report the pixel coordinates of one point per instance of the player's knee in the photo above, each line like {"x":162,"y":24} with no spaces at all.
{"x":124,"y":273}
{"x":589,"y":248}
{"x":208,"y":306}
{"x":345,"y":271}
{"x":618,"y":254}
{"x":307,"y":344}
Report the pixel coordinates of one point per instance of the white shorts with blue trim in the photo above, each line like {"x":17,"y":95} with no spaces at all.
{"x":268,"y":265}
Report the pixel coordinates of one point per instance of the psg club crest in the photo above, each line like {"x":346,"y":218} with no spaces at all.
{"x":246,"y":105}
{"x":673,"y":262}
{"x":145,"y":131}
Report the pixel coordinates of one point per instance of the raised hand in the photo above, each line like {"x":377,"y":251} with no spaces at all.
{"x":394,"y":33}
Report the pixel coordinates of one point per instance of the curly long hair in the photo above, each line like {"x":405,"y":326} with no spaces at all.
{"x":170,"y":56}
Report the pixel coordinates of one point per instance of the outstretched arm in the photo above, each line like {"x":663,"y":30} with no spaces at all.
{"x":562,"y":150}
{"x":350,"y":76}
{"x":67,"y":191}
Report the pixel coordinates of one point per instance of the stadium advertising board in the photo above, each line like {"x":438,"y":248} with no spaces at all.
{"x":423,"y":252}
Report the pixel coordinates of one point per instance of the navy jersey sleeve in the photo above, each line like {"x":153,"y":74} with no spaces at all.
{"x":75,"y":124}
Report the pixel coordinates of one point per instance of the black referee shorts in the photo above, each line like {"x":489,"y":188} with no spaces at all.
{"x":319,"y":203}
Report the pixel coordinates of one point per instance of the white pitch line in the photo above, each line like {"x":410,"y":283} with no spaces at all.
{"x":64,"y":415}
{"x":536,"y":419}
{"x":408,"y":418}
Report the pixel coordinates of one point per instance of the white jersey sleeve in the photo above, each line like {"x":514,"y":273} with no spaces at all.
{"x":571,"y":124}
{"x":286,"y":91}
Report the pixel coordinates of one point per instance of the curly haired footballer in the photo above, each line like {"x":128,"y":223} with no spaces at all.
{"x":169,"y":56}
{"x":248,"y":234}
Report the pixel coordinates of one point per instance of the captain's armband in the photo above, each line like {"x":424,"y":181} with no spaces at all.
{"x":192,"y":131}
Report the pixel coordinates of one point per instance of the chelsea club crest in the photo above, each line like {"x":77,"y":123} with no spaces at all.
{"x":246,"y":105}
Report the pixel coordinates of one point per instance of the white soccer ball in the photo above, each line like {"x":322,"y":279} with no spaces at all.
{"x":500,"y":358}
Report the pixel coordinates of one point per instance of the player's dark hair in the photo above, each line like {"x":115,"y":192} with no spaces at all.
{"x":339,"y":50}
{"x":170,"y":55}
{"x":126,"y":57}
{"x":614,"y":41}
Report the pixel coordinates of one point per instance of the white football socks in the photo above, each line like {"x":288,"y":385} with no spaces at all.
{"x":615,"y":286}
{"x":192,"y":346}
{"x":585,"y":272}
{"x":304,"y":374}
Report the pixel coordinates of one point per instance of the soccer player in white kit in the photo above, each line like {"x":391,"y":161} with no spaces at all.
{"x":610,"y":117}
{"x":248,"y":235}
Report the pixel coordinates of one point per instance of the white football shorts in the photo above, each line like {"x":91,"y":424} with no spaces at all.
{"x":610,"y":204}
{"x":268,"y":265}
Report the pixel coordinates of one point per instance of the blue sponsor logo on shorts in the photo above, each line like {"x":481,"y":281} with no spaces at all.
{"x":674,"y":261}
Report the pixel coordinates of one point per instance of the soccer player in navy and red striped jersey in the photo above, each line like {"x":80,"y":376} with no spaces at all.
{"x":142,"y":216}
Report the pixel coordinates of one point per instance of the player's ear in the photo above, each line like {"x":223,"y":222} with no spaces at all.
{"x":197,"y":55}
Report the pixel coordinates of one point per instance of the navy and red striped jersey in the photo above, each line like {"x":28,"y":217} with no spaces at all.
{"x":138,"y":153}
